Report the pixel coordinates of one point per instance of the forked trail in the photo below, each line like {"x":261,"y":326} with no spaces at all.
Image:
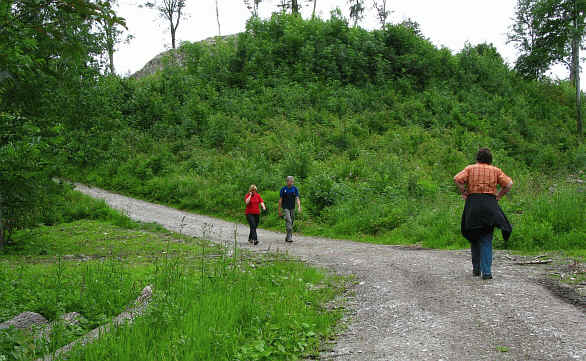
{"x":413,"y":304}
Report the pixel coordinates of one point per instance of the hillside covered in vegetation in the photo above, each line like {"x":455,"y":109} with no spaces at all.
{"x":373,"y":124}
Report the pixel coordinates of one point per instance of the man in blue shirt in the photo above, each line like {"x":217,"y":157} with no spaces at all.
{"x":289,"y":196}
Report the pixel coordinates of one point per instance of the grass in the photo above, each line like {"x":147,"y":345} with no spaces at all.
{"x":207,"y":305}
{"x":247,"y":312}
{"x":546,"y":217}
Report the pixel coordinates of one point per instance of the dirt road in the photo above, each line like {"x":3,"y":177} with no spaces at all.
{"x":414,"y":304}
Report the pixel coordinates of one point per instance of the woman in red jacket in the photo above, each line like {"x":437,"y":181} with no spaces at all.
{"x":253,"y":200}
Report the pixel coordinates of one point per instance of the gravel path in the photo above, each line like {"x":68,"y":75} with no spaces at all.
{"x":414,"y":304}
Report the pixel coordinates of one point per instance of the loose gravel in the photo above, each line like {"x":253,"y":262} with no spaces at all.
{"x":412,"y":304}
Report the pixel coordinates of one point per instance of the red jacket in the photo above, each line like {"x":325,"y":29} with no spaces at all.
{"x":253,"y":206}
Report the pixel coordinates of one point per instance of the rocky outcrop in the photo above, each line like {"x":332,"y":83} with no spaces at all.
{"x":158,"y":62}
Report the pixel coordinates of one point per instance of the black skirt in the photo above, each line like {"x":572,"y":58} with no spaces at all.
{"x":481,"y":215}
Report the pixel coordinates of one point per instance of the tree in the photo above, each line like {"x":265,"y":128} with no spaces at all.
{"x":381,"y":11}
{"x":218,"y":19}
{"x":49,"y":52}
{"x":2,"y":239}
{"x":111,"y":25}
{"x":413,"y":26}
{"x":294,"y":5}
{"x":547,"y":32}
{"x":252,"y":5}
{"x":356,"y":10}
{"x":313,"y":12}
{"x":171,"y":11}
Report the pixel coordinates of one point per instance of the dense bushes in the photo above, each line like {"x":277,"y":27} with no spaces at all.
{"x":373,"y":124}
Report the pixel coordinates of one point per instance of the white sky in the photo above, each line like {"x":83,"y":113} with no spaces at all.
{"x":449,"y":23}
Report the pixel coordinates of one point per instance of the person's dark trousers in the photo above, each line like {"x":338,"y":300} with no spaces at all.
{"x":253,"y":220}
{"x":482,"y":255}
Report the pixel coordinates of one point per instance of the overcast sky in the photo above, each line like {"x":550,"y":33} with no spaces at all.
{"x":449,"y":23}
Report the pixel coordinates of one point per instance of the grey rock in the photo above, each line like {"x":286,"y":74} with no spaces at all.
{"x":72,"y":318}
{"x":145,"y":295}
{"x":157,"y":63}
{"x":25,"y":321}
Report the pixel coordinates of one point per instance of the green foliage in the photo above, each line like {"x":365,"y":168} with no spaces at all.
{"x":374,"y":124}
{"x":551,"y":220}
{"x":48,"y":69}
{"x":25,"y":185}
{"x":214,"y":307}
{"x":269,"y":312}
{"x":97,"y":290}
{"x":543,"y":32}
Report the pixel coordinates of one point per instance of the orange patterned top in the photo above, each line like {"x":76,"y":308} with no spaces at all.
{"x":482,"y":178}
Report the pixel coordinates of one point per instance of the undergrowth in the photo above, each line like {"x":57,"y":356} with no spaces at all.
{"x":373,"y":125}
{"x":235,"y":306}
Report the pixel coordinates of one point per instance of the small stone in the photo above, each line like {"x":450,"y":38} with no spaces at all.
{"x":145,"y":295}
{"x":72,"y":318}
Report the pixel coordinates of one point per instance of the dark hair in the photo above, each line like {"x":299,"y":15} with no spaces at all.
{"x":484,"y":156}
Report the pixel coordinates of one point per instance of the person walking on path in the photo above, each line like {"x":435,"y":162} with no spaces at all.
{"x":289,"y":196}
{"x":478,"y":185}
{"x":253,"y":200}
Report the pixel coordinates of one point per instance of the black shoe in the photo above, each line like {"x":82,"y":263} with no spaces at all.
{"x":255,"y":242}
{"x":476,"y":273}
{"x":250,"y":241}
{"x":289,"y":240}
{"x":486,"y":277}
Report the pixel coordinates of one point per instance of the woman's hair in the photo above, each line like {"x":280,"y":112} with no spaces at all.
{"x":252,"y":188}
{"x":484,"y":156}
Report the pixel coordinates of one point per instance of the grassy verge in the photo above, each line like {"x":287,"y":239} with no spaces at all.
{"x":206,"y":303}
{"x":227,"y":311}
{"x":547,"y":215}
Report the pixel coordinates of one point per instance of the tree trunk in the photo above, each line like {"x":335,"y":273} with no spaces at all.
{"x":576,"y":42}
{"x":294,"y":7}
{"x":172,"y":36}
{"x":578,"y":106}
{"x":2,"y":240}
{"x":218,"y":19}
{"x":111,"y":57}
{"x":313,"y":13}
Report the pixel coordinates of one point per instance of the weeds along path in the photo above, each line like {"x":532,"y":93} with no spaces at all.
{"x":412,"y":304}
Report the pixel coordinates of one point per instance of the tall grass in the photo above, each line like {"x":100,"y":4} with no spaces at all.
{"x":231,"y":311}
{"x":96,"y":290}
{"x":551,"y":220}
{"x":210,"y":302}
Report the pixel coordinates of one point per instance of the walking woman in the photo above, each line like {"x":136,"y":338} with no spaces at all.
{"x":253,"y":200}
{"x":478,"y":185}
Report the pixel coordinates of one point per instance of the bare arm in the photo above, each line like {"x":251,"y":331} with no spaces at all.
{"x":247,"y":200}
{"x":504,"y":190}
{"x":462,"y":189}
{"x":280,"y":205}
{"x":298,"y":204}
{"x":262,"y":204}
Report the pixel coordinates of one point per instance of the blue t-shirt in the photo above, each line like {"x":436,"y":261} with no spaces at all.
{"x":289,"y":195}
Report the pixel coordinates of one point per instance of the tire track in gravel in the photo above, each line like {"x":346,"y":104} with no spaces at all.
{"x":412,"y":304}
